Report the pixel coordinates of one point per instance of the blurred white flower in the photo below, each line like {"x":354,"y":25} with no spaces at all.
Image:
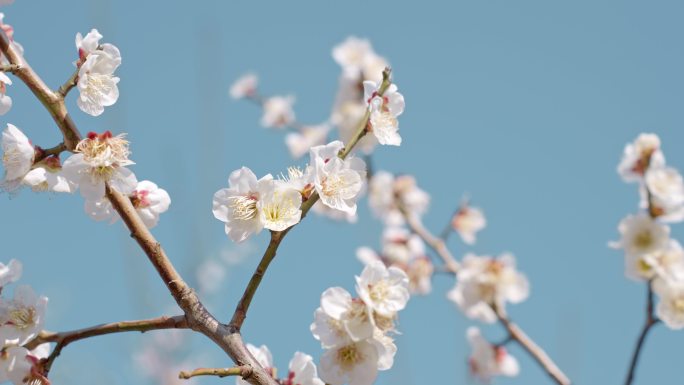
{"x":486,"y":282}
{"x":486,"y":360}
{"x":467,"y":222}
{"x":358,"y":60}
{"x":278,"y":112}
{"x":21,"y":366}
{"x":302,"y":371}
{"x":299,"y":143}
{"x":10,"y":273}
{"x":667,"y":263}
{"x":5,"y":100}
{"x":670,"y":307}
{"x":263,"y":357}
{"x":638,"y":156}
{"x":641,"y":235}
{"x":244,"y":87}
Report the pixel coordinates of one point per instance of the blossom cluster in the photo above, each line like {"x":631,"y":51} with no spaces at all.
{"x":21,"y":319}
{"x":359,"y":93}
{"x":96,"y":64}
{"x":650,"y":253}
{"x":356,"y":332}
{"x":249,"y":204}
{"x":98,"y":159}
{"x":302,"y":369}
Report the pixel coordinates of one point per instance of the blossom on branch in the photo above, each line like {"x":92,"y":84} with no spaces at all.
{"x":638,"y":156}
{"x":47,"y":175}
{"x":22,"y":317}
{"x":467,"y":222}
{"x":302,"y":371}
{"x":21,"y":366}
{"x":278,"y":112}
{"x":384,"y":111}
{"x":244,"y":87}
{"x":487,"y":360}
{"x":17,"y":158}
{"x":339,"y":182}
{"x":96,"y":81}
{"x":5,"y":100}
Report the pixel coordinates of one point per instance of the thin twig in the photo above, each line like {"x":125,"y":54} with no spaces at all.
{"x":9,"y":68}
{"x":435,"y":243}
{"x":533,"y":349}
{"x":62,"y":339}
{"x":651,"y":320}
{"x":69,"y":84}
{"x":244,"y":371}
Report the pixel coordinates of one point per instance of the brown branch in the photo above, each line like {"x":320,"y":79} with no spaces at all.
{"x":69,"y":84}
{"x":62,"y":339}
{"x":437,"y":244}
{"x":9,"y":68}
{"x":276,"y":237}
{"x":651,"y":320}
{"x":244,"y":371}
{"x":533,"y":349}
{"x":53,"y":101}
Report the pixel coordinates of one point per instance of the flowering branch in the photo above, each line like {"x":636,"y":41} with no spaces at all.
{"x":277,"y":236}
{"x":244,"y":371}
{"x":65,"y":338}
{"x":69,"y":84}
{"x":53,"y":102}
{"x":514,"y":331}
{"x":651,"y":320}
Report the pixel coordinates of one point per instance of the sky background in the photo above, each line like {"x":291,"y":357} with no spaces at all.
{"x":524,"y":105}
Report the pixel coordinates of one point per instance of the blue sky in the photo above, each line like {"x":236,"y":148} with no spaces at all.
{"x":524,"y":105}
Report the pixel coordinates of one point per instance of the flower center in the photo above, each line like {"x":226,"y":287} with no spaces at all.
{"x":348,"y":356}
{"x":140,"y":199}
{"x":244,"y":207}
{"x":643,"y":239}
{"x":22,"y":317}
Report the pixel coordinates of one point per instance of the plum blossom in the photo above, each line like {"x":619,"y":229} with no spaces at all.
{"x":10,"y":273}
{"x":278,"y":112}
{"x":264,"y":357}
{"x":387,"y":193}
{"x":358,"y":60}
{"x":641,"y":235}
{"x":279,"y":206}
{"x":299,"y":143}
{"x":670,"y":308}
{"x":47,"y":175}
{"x":21,"y":366}
{"x":487,"y":360}
{"x":338,"y":182}
{"x":486,"y":282}
{"x":467,"y":222}
{"x":238,"y":205}
{"x":667,"y":263}
{"x":17,"y":158}
{"x":385,"y":290}
{"x":352,"y":315}
{"x":326,"y":211}
{"x":99,"y":159}
{"x":22,"y":317}
{"x":150,"y":201}
{"x":244,"y":87}
{"x":639,"y":155}
{"x":302,"y":371}
{"x":96,"y":81}
{"x":5,"y":100}
{"x":353,"y":364}
{"x":663,"y":194}
{"x":384,"y":111}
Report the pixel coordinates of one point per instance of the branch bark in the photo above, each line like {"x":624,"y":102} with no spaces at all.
{"x":243,"y":371}
{"x":651,"y":320}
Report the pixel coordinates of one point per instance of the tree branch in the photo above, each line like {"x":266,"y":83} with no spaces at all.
{"x":533,"y":349}
{"x":276,"y":237}
{"x":52,"y":101}
{"x":437,"y":244}
{"x":65,"y":338}
{"x":651,"y":320}
{"x":243,"y":371}
{"x":69,"y":84}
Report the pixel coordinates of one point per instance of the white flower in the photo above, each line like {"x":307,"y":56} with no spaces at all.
{"x":299,"y":143}
{"x":487,"y":360}
{"x":638,"y":156}
{"x":484,"y":282}
{"x":338,"y":182}
{"x":353,"y":315}
{"x":150,"y":201}
{"x":88,"y":44}
{"x":238,"y":205}
{"x":358,"y":60}
{"x":21,"y":366}
{"x":386,"y":193}
{"x":244,"y":87}
{"x":641,"y":235}
{"x":5,"y":101}
{"x":18,"y":155}
{"x":383,"y":290}
{"x":670,"y":308}
{"x":663,"y":194}
{"x":279,"y":206}
{"x":468,"y":221}
{"x":10,"y":273}
{"x":22,"y":318}
{"x":384,"y":111}
{"x":278,"y":112}
{"x":263,"y":357}
{"x":353,"y":364}
{"x":321,"y":209}
{"x":96,"y":81}
{"x":399,"y":246}
{"x":420,"y":271}
{"x":667,"y":263}
{"x":302,"y":371}
{"x":46,"y":175}
{"x":99,"y":159}
{"x":101,"y":210}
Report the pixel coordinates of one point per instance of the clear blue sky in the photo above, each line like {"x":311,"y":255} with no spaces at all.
{"x":525,"y":105}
